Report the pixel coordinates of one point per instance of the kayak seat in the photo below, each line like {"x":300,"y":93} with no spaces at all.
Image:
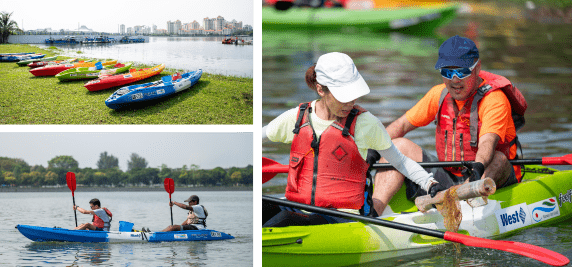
{"x":293,"y":218}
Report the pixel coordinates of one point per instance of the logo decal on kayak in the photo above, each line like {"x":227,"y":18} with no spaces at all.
{"x":161,"y":91}
{"x":136,"y":96}
{"x":180,"y":236}
{"x":215,"y":234}
{"x":127,"y":76}
{"x":513,"y":217}
{"x":567,"y":197}
{"x":544,"y":210}
{"x":68,"y":66}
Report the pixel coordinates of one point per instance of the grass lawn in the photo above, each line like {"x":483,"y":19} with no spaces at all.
{"x":26,"y":99}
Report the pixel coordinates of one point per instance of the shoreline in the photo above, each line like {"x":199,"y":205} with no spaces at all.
{"x":122,"y":189}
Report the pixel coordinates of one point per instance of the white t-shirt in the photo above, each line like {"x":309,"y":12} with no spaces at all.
{"x":369,"y":131}
{"x":199,"y":212}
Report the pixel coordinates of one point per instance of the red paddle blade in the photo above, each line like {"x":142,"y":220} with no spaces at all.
{"x":527,"y":250}
{"x":70,"y":180}
{"x":270,"y":168}
{"x":564,"y":160}
{"x":169,"y":186}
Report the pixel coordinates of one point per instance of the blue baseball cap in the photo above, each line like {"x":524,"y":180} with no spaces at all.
{"x":457,"y":51}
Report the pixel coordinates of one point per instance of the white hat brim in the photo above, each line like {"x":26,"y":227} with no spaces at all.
{"x":351,"y":91}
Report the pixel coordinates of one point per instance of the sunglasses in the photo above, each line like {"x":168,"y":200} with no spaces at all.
{"x":461,"y":73}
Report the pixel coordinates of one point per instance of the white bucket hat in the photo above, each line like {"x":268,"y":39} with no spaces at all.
{"x":338,"y":72}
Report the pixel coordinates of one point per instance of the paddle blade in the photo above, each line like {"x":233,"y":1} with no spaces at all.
{"x":270,"y":168}
{"x":527,"y":250}
{"x":564,"y":160}
{"x":70,"y":180}
{"x":169,"y":186}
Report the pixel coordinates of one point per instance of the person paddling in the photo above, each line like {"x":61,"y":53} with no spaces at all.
{"x":101,"y":217}
{"x":196,"y":218}
{"x":331,"y":137}
{"x":474,"y":112}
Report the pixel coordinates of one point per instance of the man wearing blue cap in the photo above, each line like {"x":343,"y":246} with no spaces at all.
{"x":474,"y":124}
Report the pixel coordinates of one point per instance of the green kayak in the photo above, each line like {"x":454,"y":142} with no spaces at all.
{"x":92,"y":72}
{"x":28,"y":61}
{"x":407,"y":19}
{"x":544,"y":197}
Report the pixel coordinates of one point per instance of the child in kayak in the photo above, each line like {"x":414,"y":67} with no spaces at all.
{"x":331,"y":137}
{"x":101,"y":217}
{"x":196,"y":219}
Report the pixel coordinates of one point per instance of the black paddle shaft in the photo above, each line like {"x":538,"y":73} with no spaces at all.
{"x":441,"y":164}
{"x":390,"y":224}
{"x":74,"y":211}
{"x":171,"y":210}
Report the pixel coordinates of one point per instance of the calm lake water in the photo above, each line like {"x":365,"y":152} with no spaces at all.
{"x":229,"y":212}
{"x":186,"y":53}
{"x":399,"y":70}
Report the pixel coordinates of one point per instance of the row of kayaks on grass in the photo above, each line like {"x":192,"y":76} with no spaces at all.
{"x":297,"y":238}
{"x":46,"y":234}
{"x":110,"y":74}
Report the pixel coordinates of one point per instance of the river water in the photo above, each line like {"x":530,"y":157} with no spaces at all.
{"x":229,"y":212}
{"x":186,"y":53}
{"x":399,"y":70}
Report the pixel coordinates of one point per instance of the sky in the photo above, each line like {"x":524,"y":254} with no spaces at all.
{"x":207,"y":150}
{"x":106,"y":15}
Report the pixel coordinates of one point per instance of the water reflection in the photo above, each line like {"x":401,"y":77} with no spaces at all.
{"x":59,"y":252}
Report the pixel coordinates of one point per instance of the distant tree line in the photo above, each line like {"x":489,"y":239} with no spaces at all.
{"x":16,"y":172}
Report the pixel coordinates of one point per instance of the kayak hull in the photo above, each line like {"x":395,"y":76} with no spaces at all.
{"x":409,"y":19}
{"x":12,"y":58}
{"x":118,"y":80}
{"x":509,"y":211}
{"x":129,"y":95}
{"x":90,"y":72}
{"x":45,"y":234}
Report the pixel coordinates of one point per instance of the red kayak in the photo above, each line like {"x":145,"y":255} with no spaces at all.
{"x":52,"y":70}
{"x":106,"y":82}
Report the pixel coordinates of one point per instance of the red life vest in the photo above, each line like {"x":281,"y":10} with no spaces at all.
{"x":98,"y":222}
{"x":457,"y":130}
{"x":327,"y":171}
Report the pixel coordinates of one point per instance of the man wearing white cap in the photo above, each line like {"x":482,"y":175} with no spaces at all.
{"x":331,"y":137}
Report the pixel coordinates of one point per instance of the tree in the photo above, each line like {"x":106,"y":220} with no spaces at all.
{"x":136,"y":163}
{"x":236,"y":177}
{"x":64,"y":162}
{"x":107,"y":161}
{"x":7,"y":26}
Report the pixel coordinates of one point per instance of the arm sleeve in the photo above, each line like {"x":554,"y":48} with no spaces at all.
{"x":408,"y":167}
{"x":264,"y":137}
{"x":280,"y":128}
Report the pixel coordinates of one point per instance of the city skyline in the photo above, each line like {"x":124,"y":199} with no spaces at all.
{"x":177,"y":26}
{"x":107,"y":14}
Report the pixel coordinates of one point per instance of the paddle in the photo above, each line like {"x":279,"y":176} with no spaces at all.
{"x":170,"y":188}
{"x":270,"y":167}
{"x":70,"y":180}
{"x":527,"y":250}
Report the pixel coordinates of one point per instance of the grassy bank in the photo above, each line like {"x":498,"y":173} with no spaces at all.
{"x":26,"y":99}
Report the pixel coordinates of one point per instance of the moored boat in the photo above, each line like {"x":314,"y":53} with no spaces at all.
{"x":106,"y":82}
{"x":28,"y":61}
{"x":168,"y":85}
{"x":43,"y":234}
{"x":52,"y":70}
{"x":423,"y":18}
{"x":92,"y":72}
{"x":542,"y":198}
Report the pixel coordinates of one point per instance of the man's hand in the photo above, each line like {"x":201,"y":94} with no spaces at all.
{"x":435,"y":188}
{"x":477,"y":171}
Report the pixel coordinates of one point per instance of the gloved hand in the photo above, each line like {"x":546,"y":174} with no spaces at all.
{"x":477,"y":171}
{"x":435,"y":188}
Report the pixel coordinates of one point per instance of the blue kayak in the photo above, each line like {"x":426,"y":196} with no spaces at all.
{"x":21,"y":57}
{"x":168,"y":85}
{"x":37,"y":233}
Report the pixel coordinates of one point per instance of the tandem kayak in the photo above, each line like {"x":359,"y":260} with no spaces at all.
{"x":37,"y":233}
{"x":106,"y":82}
{"x":52,"y":70}
{"x":92,"y":72}
{"x":168,"y":85}
{"x":544,"y":197}
{"x":28,"y":61}
{"x":424,"y":18}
